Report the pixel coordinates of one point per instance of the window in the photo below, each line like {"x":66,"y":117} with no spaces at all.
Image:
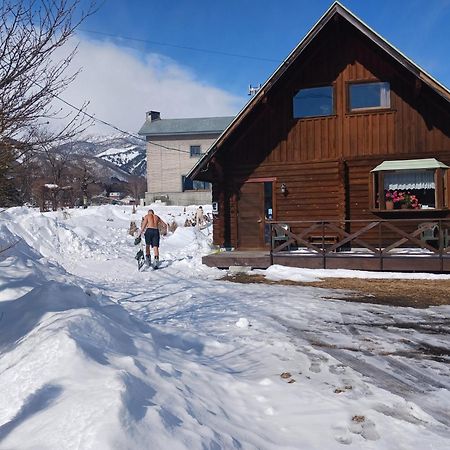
{"x":410,"y":189}
{"x":410,"y":184}
{"x":194,"y":185}
{"x":369,"y":96}
{"x":195,"y":150}
{"x":313,"y":102}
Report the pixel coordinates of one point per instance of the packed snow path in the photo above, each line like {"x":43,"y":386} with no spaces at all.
{"x":97,"y":355}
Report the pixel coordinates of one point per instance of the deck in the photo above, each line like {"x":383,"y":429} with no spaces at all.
{"x":425,"y":247}
{"x":224,"y":260}
{"x":403,"y":262}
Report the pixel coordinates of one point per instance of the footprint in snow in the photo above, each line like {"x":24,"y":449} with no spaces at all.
{"x":343,"y":438}
{"x":316,"y":362}
{"x":342,"y":434}
{"x":315,"y":367}
{"x":365,"y":427}
{"x":338,"y":369}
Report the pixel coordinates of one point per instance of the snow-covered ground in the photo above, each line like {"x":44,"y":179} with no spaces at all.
{"x":96,"y":355}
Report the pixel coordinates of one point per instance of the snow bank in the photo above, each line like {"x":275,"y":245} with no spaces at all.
{"x":96,"y":355}
{"x":277,"y":272}
{"x":79,"y":372}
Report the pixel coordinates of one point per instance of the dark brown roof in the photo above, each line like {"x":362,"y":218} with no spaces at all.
{"x":335,"y":9}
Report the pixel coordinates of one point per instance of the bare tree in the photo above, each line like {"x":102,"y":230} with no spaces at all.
{"x":31,"y":76}
{"x":56,"y":168}
{"x":15,"y":182}
{"x":85,"y":179}
{"x":136,"y":187}
{"x":7,"y":162}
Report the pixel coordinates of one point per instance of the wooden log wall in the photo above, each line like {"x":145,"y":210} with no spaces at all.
{"x":326,"y":161}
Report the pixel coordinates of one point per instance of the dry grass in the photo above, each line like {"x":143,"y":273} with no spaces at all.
{"x":413,"y":293}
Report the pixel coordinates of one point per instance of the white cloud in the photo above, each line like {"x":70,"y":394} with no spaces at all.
{"x":121,"y":86}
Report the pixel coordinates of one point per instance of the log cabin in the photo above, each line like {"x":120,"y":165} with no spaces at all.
{"x":341,"y":159}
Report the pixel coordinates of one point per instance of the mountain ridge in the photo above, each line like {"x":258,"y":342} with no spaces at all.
{"x":123,"y":151}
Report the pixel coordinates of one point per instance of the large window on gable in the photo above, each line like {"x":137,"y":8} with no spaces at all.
{"x":418,"y":184}
{"x":369,"y":96}
{"x":313,"y":102}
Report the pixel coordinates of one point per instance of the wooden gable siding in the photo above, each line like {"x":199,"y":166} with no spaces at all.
{"x":418,"y":121}
{"x":301,"y":152}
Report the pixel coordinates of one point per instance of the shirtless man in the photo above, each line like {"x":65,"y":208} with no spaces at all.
{"x":149,"y":227}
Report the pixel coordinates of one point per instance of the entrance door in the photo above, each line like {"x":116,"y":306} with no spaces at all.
{"x":255,"y":203}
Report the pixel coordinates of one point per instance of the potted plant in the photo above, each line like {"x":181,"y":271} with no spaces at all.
{"x":401,"y":200}
{"x":410,"y":201}
{"x":389,"y":200}
{"x":394,"y":199}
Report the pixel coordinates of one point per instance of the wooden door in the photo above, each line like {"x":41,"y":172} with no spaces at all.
{"x":251,"y":216}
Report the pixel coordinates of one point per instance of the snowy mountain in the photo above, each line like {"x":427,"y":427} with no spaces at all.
{"x":123,"y":151}
{"x":131,"y":159}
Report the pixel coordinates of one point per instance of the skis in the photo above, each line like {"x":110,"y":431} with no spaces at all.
{"x":143,"y":260}
{"x":140,"y":258}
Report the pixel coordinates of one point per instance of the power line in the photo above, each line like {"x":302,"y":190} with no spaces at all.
{"x":115,"y":127}
{"x":182,"y":47}
{"x":108,"y":124}
{"x":103,"y":122}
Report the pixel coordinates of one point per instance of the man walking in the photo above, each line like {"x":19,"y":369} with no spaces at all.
{"x":150,"y":228}
{"x":199,"y":217}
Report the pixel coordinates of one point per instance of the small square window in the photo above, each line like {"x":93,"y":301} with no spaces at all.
{"x":195,"y":150}
{"x":369,"y":96}
{"x":313,"y":102}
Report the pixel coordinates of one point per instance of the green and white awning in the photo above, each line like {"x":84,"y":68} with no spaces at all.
{"x":410,"y":164}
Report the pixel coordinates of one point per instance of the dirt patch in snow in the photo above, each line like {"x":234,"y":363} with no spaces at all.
{"x":409,"y":293}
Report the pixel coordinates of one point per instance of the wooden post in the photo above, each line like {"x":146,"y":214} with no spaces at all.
{"x":441,"y":243}
{"x":379,"y":245}
{"x":381,"y":198}
{"x":439,"y":183}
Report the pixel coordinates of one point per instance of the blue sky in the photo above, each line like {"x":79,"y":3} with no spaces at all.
{"x":262,"y":29}
{"x":267,"y":29}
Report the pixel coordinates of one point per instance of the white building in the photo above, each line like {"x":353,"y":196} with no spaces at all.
{"x":173,"y":148}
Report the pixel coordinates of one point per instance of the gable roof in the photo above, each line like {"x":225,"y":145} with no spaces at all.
{"x":183,"y":127}
{"x":335,"y":9}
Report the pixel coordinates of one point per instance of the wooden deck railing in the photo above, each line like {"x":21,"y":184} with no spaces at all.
{"x":378,"y":238}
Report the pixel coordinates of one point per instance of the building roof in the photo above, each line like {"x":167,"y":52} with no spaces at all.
{"x":335,"y":9}
{"x":410,"y":164}
{"x":175,"y":127}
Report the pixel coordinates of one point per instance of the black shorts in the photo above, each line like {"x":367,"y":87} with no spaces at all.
{"x":152,"y":237}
